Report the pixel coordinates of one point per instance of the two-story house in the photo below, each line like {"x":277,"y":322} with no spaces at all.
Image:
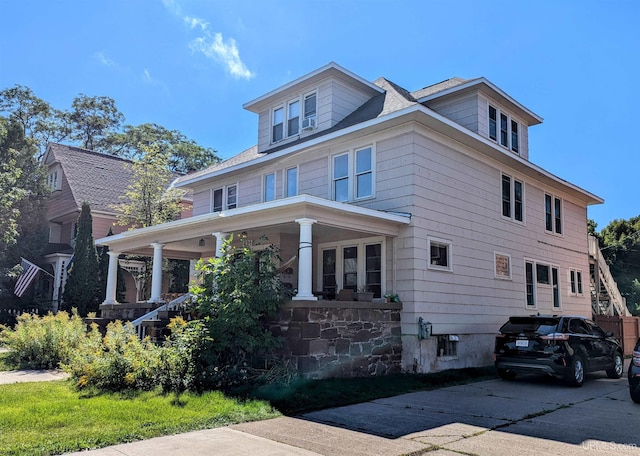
{"x":77,"y":175}
{"x":429,"y":195}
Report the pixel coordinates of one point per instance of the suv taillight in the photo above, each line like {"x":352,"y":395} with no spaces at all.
{"x":555,"y":336}
{"x":636,"y":358}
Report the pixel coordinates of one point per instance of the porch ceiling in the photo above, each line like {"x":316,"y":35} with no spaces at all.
{"x":181,"y":237}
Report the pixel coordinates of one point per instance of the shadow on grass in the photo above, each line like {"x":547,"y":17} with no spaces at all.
{"x":308,"y":395}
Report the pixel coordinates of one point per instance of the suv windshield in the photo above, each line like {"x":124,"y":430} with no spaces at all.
{"x":537,"y":325}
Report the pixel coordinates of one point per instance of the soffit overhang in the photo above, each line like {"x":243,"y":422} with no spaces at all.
{"x":265,"y":216}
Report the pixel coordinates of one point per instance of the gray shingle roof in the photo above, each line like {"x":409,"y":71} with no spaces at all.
{"x":393,"y":99}
{"x":243,"y":157}
{"x":97,"y":178}
{"x":439,"y":87}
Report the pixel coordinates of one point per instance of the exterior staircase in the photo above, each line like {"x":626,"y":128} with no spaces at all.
{"x":154,"y":323}
{"x":605,"y":295}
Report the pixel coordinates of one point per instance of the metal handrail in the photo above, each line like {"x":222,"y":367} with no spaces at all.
{"x":153,"y":315}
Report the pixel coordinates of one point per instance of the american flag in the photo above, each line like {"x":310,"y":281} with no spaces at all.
{"x":29,"y":272}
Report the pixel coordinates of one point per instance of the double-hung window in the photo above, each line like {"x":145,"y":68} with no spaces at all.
{"x":270,"y":187}
{"x":575,"y":276}
{"x":277,"y":126}
{"x":288,"y":119}
{"x":224,"y":198}
{"x":512,"y":198}
{"x":293,"y":118}
{"x":504,"y":130}
{"x":310,"y":110}
{"x":352,"y":175}
{"x":553,"y":213}
{"x":291,"y":185}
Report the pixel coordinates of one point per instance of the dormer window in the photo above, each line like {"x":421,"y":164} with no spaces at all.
{"x":293,"y":118}
{"x":310,"y":106}
{"x":277,"y":129}
{"x":508,"y":133}
{"x":300,"y":115}
{"x":54,"y":180}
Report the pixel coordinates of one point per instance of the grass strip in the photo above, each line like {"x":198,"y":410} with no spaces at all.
{"x":53,"y":418}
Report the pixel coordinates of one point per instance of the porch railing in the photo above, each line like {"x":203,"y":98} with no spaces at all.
{"x":174,"y":305}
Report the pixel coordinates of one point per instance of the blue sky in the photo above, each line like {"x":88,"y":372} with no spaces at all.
{"x":189,"y":65}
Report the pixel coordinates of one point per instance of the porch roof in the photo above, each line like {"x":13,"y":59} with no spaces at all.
{"x":180,"y":238}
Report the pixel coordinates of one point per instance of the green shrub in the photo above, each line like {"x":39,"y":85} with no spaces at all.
{"x":43,"y":342}
{"x":239,"y":292}
{"x":116,"y":362}
{"x":184,"y":357}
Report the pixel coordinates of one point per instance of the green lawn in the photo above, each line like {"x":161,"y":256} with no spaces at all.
{"x":52,"y":417}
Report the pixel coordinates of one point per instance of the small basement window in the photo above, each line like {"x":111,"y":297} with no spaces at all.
{"x":448,"y":345}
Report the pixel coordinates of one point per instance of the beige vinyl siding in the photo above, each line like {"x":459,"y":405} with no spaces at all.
{"x":61,"y":202}
{"x":313,"y":176}
{"x":337,"y":101}
{"x":462,"y":109}
{"x":249,"y":189}
{"x":201,"y":200}
{"x":457,"y":198}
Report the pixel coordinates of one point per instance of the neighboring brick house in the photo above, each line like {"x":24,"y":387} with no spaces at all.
{"x":428,"y":195}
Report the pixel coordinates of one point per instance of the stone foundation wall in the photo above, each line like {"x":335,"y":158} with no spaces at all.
{"x":341,"y":339}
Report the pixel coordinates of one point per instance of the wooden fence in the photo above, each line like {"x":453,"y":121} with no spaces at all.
{"x":626,"y":329}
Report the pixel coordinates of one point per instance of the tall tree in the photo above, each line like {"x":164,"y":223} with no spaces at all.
{"x":93,"y":119}
{"x":183,"y":154}
{"x":150,"y":199}
{"x":23,"y":193}
{"x":81,"y":289}
{"x":620,"y":245}
{"x":39,"y":121}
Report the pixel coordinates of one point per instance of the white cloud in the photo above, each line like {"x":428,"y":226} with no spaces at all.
{"x":213,"y":46}
{"x":102,"y":58}
{"x":225,"y":52}
{"x":194,"y":22}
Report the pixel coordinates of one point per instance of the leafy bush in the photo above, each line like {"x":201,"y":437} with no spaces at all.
{"x":43,"y":342}
{"x":117,"y":362}
{"x":183,"y":359}
{"x":239,"y":292}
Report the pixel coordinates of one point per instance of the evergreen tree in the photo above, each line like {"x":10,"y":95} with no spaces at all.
{"x":81,"y":290}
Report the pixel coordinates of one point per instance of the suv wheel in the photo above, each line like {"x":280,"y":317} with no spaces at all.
{"x":506,"y":374}
{"x":616,"y":370}
{"x":576,"y":377}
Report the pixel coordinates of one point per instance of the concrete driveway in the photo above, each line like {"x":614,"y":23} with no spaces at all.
{"x":529,"y":416}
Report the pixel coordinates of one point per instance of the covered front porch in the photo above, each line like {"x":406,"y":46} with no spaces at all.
{"x":325,"y":246}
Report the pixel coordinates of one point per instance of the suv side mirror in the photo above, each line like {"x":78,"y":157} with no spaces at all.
{"x":608,"y":334}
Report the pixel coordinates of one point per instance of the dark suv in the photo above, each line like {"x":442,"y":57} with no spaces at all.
{"x":562,"y":346}
{"x":634,"y":374}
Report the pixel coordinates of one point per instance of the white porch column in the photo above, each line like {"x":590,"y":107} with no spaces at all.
{"x":112,"y":278}
{"x":58,"y":282}
{"x":305,"y":261}
{"x":220,"y":238}
{"x":156,"y":273}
